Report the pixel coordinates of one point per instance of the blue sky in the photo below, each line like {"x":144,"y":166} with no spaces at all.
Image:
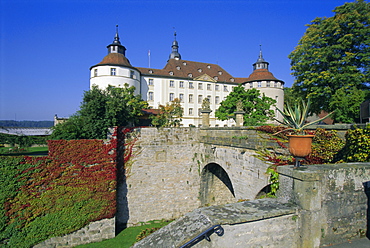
{"x":48,"y":46}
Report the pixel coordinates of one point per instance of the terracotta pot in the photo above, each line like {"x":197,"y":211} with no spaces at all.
{"x":300,"y":145}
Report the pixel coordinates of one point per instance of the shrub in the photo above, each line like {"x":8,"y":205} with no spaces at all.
{"x":357,"y":145}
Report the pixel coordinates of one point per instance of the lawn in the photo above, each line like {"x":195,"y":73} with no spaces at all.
{"x":127,"y":237}
{"x":30,"y":151}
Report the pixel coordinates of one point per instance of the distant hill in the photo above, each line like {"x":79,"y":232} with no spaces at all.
{"x":9,"y":123}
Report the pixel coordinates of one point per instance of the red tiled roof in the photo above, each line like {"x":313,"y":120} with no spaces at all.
{"x":115,"y":59}
{"x":261,"y":74}
{"x":191,"y":70}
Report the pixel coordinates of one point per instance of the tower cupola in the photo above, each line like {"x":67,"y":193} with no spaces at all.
{"x":261,"y":63}
{"x":116,"y":46}
{"x":175,"y":49}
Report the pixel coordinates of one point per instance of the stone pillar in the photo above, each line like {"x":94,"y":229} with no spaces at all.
{"x":239,"y":118}
{"x":303,"y":188}
{"x":205,"y":117}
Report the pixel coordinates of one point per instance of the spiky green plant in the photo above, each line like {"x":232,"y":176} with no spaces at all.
{"x":295,"y":118}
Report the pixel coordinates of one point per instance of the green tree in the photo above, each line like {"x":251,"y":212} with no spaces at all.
{"x":333,"y":53}
{"x":256,"y":106}
{"x":346,"y":103}
{"x":169,"y":115}
{"x":100,"y":110}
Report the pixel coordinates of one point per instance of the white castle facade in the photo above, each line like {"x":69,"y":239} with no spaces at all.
{"x":187,"y":80}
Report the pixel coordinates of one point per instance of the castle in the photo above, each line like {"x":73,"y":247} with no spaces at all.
{"x":186,"y":80}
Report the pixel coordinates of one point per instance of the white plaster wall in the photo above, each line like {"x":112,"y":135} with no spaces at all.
{"x":103,"y":78}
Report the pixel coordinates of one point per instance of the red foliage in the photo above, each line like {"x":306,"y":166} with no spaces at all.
{"x":76,"y":169}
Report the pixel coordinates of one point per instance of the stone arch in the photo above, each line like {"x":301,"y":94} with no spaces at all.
{"x":215,"y":186}
{"x":263,"y":192}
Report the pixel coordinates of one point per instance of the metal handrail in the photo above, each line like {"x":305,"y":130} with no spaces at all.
{"x":205,"y":235}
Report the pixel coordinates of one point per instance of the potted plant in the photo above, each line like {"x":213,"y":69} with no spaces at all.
{"x":296,"y":119}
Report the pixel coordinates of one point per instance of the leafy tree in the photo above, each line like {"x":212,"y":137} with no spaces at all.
{"x":169,"y":114}
{"x":100,"y":110}
{"x":256,"y":106}
{"x":346,"y":103}
{"x":333,"y":53}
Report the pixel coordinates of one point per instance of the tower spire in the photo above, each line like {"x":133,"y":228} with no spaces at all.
{"x":261,"y":63}
{"x":116,"y":46}
{"x":175,"y":49}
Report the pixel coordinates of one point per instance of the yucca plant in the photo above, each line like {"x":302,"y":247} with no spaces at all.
{"x":295,"y":118}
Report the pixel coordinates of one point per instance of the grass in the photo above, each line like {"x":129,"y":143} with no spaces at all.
{"x":127,"y":237}
{"x":30,"y":151}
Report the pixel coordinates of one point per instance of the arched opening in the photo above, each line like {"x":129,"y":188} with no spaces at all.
{"x":264,"y":192}
{"x":215,"y":186}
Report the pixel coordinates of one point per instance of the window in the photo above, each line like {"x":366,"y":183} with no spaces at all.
{"x":112,"y":71}
{"x":200,"y":98}
{"x":190,"y":75}
{"x":208,"y":86}
{"x":200,"y":86}
{"x":178,"y":68}
{"x":259,"y":84}
{"x":220,"y":73}
{"x":217,"y":87}
{"x":251,"y":85}
{"x":225,"y":88}
{"x":150,"y":96}
{"x":181,"y":84}
{"x":191,"y":98}
{"x":275,"y":84}
{"x":200,"y":112}
{"x":190,"y":111}
{"x":132,"y":74}
{"x":217,"y":100}
{"x":268,"y":84}
{"x":200,"y":70}
{"x":181,"y":96}
{"x":95,"y":72}
{"x":171,"y":97}
{"x":215,"y":78}
{"x":191,"y":85}
{"x":172,"y":83}
{"x":171,"y":73}
{"x":151,"y":81}
{"x":209,"y":98}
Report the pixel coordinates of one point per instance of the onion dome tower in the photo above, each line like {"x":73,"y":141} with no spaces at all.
{"x":115,"y":69}
{"x":263,"y":80}
{"x":175,"y":49}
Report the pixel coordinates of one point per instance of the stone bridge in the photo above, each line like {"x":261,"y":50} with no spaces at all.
{"x":175,"y":170}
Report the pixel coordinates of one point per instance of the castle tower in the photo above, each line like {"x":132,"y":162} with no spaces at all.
{"x":263,"y":80}
{"x":115,"y":69}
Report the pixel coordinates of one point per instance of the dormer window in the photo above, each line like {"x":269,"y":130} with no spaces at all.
{"x":178,"y":68}
{"x":208,"y":66}
{"x":232,"y":80}
{"x":220,"y":73}
{"x":190,"y":75}
{"x":184,"y":63}
{"x":215,"y":78}
{"x":171,"y":73}
{"x":199,"y":70}
{"x":151,"y":71}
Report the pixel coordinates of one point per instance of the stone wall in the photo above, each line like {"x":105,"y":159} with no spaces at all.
{"x":332,"y":200}
{"x":94,"y":232}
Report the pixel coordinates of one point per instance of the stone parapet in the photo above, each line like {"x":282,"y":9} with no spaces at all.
{"x":332,"y":200}
{"x":252,"y":219}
